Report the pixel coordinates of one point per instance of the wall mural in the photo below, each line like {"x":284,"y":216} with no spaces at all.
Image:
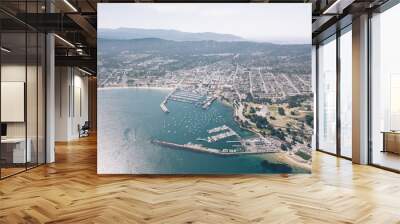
{"x":204,"y":88}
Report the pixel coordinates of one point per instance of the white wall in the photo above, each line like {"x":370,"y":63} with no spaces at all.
{"x":360,"y":89}
{"x":33,"y":126}
{"x":14,"y":72}
{"x":71,"y":94}
{"x":62,"y":82}
{"x":17,"y":73}
{"x":50,"y":92}
{"x":79,"y":111}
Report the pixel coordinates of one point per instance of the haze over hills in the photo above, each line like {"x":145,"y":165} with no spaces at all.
{"x":175,"y":35}
{"x":162,"y":46}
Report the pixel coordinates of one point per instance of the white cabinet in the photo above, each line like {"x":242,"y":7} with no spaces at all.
{"x":19,"y":155}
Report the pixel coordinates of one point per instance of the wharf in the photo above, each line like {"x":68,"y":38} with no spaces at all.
{"x":200,"y":148}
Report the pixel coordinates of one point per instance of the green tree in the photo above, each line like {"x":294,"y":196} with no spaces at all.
{"x":309,"y":120}
{"x":281,"y":111}
{"x":263,"y":133}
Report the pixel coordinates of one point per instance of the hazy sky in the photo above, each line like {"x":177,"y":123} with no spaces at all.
{"x":254,"y":21}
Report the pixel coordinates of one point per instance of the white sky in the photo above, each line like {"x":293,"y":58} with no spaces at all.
{"x":272,"y":22}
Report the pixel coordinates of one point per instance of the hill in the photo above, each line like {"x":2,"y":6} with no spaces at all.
{"x":175,"y":35}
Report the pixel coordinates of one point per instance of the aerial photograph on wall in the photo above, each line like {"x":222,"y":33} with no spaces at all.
{"x":204,"y":88}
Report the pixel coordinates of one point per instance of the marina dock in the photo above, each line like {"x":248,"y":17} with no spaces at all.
{"x":183,"y":96}
{"x":218,"y":129}
{"x":223,"y":132}
{"x":220,"y":136}
{"x":186,"y":97}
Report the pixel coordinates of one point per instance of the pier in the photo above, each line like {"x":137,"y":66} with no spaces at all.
{"x":200,"y":148}
{"x":207,"y":103}
{"x":163,"y":104}
{"x":164,"y":107}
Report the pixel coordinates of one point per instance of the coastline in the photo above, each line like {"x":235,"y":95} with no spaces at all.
{"x":234,"y":111}
{"x":280,"y":157}
{"x":226,"y":103}
{"x":136,"y":87}
{"x":283,"y":157}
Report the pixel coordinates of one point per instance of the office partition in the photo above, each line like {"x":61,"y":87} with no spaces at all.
{"x":22,"y":77}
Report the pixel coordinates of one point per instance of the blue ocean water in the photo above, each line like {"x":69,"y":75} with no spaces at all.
{"x":128,"y":119}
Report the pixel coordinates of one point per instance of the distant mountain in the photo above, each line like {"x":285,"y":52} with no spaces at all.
{"x":169,"y":47}
{"x":175,"y":35}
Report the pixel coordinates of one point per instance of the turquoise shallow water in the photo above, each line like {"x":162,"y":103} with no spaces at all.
{"x":129,"y":119}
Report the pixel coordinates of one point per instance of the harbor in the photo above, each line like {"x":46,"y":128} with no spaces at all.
{"x":185,"y":123}
{"x":187,"y":96}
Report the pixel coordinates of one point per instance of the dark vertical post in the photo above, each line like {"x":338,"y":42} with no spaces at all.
{"x":338,"y":74}
{"x":45,"y":93}
{"x":369,"y":96}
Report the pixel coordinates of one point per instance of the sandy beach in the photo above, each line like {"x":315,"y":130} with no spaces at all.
{"x":283,"y":157}
{"x":136,"y":87}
